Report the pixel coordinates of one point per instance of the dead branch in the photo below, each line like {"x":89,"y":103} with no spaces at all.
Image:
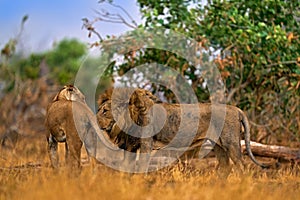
{"x":240,"y":87}
{"x":274,"y":151}
{"x":89,"y":26}
{"x":283,"y":63}
{"x":106,"y":16}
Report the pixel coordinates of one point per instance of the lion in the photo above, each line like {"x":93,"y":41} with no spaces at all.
{"x":227,"y":146}
{"x":71,"y":121}
{"x":107,"y":122}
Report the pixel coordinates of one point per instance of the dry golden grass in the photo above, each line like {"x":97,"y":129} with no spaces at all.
{"x":43,"y":183}
{"x":28,"y":176}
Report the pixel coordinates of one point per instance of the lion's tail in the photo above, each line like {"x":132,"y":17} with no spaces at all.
{"x":246,"y":125}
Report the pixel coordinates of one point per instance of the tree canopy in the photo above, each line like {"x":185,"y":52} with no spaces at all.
{"x":255,"y":45}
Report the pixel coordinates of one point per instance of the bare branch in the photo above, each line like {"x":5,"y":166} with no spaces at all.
{"x":89,"y":26}
{"x":112,"y":18}
{"x":234,"y":90}
{"x":107,"y":16}
{"x":260,"y":125}
{"x":128,"y":15}
{"x":241,"y":86}
{"x":283,"y":63}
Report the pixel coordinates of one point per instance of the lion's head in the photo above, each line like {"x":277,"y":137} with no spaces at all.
{"x":105,"y":117}
{"x":123,"y":103}
{"x":141,"y":102}
{"x":70,"y":93}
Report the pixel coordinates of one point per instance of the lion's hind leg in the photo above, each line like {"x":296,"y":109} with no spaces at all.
{"x":236,"y":157}
{"x":52,"y":150}
{"x":223,"y":167}
{"x":73,"y":153}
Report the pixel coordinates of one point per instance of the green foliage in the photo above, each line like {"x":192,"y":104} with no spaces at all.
{"x":64,"y":60}
{"x":29,"y":67}
{"x":260,"y":54}
{"x":257,"y":47}
{"x":173,"y":14}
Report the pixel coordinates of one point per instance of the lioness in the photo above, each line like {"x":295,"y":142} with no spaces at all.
{"x":70,"y":120}
{"x":227,"y":145}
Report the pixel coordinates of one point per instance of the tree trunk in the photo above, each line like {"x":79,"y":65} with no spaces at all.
{"x":274,"y":151}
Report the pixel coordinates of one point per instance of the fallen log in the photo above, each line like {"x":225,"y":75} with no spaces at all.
{"x":273,"y":151}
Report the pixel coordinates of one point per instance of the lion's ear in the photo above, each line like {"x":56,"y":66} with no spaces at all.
{"x":153,"y":97}
{"x":102,"y":99}
{"x":105,"y":96}
{"x":56,"y":98}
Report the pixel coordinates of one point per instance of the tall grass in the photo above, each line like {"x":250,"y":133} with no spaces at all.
{"x":30,"y":177}
{"x":172,"y":183}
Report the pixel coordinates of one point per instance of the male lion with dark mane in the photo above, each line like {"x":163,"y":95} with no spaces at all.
{"x":226,"y":144}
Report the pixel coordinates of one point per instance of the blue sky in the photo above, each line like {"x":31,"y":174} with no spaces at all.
{"x":50,"y":21}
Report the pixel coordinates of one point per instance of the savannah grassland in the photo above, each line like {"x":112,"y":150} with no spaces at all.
{"x":25,"y":174}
